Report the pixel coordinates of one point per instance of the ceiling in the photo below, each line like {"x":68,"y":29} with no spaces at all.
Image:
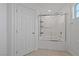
{"x":46,"y":8}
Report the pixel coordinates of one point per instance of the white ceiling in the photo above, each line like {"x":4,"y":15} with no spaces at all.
{"x":43,"y":8}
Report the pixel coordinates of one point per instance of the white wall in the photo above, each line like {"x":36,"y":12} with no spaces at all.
{"x":72,"y":31}
{"x":74,"y":36}
{"x":3,"y":29}
{"x":68,"y":19}
{"x":68,"y":11}
{"x":51,"y":45}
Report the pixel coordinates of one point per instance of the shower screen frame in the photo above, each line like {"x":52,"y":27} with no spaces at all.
{"x":60,"y":32}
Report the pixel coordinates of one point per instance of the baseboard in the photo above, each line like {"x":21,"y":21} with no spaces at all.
{"x":69,"y":53}
{"x":73,"y":53}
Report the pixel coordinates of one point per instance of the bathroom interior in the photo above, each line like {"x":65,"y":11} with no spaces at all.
{"x":39,"y":29}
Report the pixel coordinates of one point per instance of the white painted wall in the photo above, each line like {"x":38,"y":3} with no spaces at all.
{"x":67,"y":10}
{"x":74,"y":48}
{"x":74,"y":36}
{"x":43,"y":8}
{"x":72,"y":31}
{"x":3,"y":29}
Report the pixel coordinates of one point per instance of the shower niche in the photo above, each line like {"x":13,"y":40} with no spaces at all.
{"x":52,"y":28}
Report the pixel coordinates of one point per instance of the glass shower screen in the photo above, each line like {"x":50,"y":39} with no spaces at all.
{"x":52,"y":27}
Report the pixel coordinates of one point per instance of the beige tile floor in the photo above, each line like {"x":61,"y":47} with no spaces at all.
{"x":49,"y":53}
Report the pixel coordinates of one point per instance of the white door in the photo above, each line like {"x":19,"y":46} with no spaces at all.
{"x":24,"y":30}
{"x":52,"y":27}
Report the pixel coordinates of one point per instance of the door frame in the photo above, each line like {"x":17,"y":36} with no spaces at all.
{"x":11,"y":28}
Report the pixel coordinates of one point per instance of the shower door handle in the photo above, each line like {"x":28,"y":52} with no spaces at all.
{"x":60,"y":33}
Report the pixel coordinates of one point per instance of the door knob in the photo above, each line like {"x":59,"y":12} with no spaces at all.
{"x":33,"y":32}
{"x":41,"y":33}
